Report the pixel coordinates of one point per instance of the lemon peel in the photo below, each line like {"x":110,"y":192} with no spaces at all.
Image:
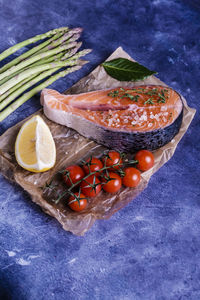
{"x":35,"y":149}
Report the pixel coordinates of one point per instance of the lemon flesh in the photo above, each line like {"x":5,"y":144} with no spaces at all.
{"x":35,"y":149}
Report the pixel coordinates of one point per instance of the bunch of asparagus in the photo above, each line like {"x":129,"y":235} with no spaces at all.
{"x":53,"y":58}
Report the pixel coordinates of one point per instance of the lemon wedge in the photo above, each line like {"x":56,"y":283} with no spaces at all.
{"x":35,"y":149}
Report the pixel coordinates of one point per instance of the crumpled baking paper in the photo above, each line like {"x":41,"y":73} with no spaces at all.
{"x":72,"y":148}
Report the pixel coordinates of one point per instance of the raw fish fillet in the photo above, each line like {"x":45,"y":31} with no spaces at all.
{"x":125,"y":119}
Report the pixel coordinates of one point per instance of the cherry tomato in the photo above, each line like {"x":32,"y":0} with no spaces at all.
{"x":87,"y":189}
{"x":132,"y":177}
{"x":76,"y":205}
{"x":112,"y":159}
{"x":76,"y":173}
{"x":95,"y":165}
{"x":145,"y":160}
{"x":113,"y":185}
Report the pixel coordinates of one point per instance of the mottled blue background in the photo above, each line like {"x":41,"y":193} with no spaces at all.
{"x":150,"y":249}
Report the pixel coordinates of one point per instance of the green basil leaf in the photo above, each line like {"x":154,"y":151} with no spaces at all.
{"x":123,"y":69}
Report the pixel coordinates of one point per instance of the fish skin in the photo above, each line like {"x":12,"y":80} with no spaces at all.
{"x":131,"y":142}
{"x":120,"y":140}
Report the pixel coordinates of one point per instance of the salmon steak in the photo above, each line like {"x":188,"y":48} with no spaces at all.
{"x":124,"y":119}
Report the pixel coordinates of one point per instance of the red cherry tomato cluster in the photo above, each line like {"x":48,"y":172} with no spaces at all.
{"x":107,"y":173}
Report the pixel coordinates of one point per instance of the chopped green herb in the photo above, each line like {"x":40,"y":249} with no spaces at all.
{"x":162,"y":93}
{"x":131,"y":97}
{"x":136,"y":97}
{"x":161,"y":98}
{"x":170,"y":115}
{"x":149,"y":101}
{"x":161,"y":101}
{"x":114,"y":93}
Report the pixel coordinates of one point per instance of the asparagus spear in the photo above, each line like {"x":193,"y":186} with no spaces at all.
{"x":34,"y":39}
{"x":28,"y":72}
{"x":47,"y":60}
{"x":24,"y":87}
{"x":37,"y":63}
{"x":35,"y":58}
{"x":42,"y":62}
{"x":70,"y":60}
{"x":71,"y":35}
{"x":77,"y":55}
{"x":28,"y":53}
{"x":35,"y":79}
{"x":15,"y":87}
{"x":51,"y":43}
{"x":60,"y":56}
{"x":35,"y":90}
{"x":56,"y":58}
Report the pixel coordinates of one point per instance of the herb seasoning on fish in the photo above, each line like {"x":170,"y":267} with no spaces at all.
{"x":155,"y":94}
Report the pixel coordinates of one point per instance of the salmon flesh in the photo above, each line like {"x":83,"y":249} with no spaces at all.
{"x":124,"y":119}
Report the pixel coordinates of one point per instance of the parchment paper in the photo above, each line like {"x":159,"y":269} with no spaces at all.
{"x":72,"y":148}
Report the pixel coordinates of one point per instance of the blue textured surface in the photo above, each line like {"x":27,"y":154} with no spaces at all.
{"x":150,"y":249}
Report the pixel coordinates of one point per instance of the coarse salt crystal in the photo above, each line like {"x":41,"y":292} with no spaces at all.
{"x":164,"y":119}
{"x":110,"y":122}
{"x":163,"y":108}
{"x":143,"y":118}
{"x":133,"y":122}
